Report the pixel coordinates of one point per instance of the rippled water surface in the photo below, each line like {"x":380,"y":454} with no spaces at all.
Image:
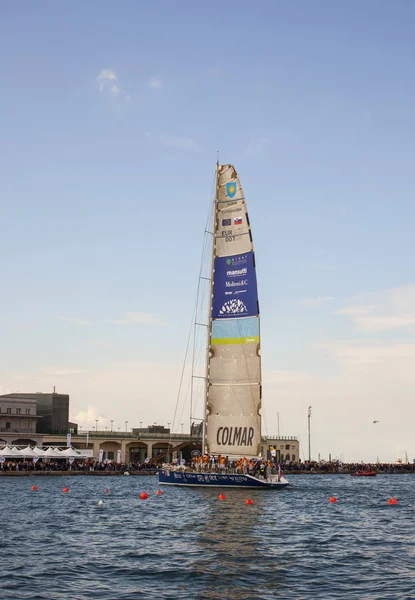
{"x":186,"y":544}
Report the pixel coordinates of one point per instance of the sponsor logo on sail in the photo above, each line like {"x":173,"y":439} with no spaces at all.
{"x":229,"y":211}
{"x":226,"y":222}
{"x":237,"y":221}
{"x":233,"y":307}
{"x":235,"y":436}
{"x":237,"y":272}
{"x":231,"y":189}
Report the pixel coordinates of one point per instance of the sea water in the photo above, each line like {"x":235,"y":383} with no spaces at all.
{"x":188,"y":544}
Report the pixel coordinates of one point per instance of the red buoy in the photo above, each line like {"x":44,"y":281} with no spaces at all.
{"x":392,"y":501}
{"x":107,"y":491}
{"x":35,"y":488}
{"x":143,"y":496}
{"x":65,"y":490}
{"x":332,"y":499}
{"x":221,"y":497}
{"x":248,"y":501}
{"x":159,"y":493}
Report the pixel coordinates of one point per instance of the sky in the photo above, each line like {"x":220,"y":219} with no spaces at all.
{"x":111,"y":119}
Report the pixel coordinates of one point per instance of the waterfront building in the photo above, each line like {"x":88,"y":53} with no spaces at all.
{"x":18,"y":417}
{"x":162,"y":445}
{"x":52,"y":410}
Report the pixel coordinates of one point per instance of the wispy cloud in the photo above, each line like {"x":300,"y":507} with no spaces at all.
{"x":108,"y":82}
{"x":256,"y":148}
{"x":173,"y":142}
{"x":314,"y":302}
{"x":74,"y":320}
{"x":321,"y":267}
{"x":60,"y":372}
{"x":155,"y":82}
{"x":383,"y":311}
{"x":136,"y":318}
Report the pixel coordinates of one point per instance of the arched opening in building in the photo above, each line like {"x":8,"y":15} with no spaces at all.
{"x":136,"y":452}
{"x":110,"y":450}
{"x":24,"y":442}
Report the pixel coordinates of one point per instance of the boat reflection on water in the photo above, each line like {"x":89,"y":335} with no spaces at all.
{"x":235,"y":563}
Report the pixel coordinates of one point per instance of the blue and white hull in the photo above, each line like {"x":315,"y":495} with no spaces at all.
{"x":238,"y":480}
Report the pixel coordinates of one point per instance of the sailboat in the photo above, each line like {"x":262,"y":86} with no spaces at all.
{"x":232,"y":420}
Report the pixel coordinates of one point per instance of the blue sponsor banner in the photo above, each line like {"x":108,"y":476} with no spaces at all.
{"x":235,"y":288}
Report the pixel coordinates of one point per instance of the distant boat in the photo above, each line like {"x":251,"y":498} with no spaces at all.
{"x":364,"y":474}
{"x":232,"y":424}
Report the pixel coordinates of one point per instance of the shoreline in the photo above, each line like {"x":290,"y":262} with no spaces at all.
{"x":149,"y":474}
{"x":71,"y":473}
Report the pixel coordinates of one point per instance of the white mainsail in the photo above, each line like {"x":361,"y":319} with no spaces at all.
{"x":233,"y":417}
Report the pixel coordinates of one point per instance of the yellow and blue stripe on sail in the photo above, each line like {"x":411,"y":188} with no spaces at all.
{"x":235,"y":331}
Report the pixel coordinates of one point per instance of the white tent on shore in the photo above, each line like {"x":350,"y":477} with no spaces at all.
{"x":36,"y":452}
{"x":8,"y":452}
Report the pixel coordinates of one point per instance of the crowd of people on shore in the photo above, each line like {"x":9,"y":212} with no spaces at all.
{"x":204,"y":464}
{"x":337,"y":466}
{"x":77,"y":465}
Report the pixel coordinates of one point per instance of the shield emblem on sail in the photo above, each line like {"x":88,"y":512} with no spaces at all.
{"x":231,"y":189}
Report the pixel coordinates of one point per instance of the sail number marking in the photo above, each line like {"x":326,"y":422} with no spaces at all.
{"x":228,"y":236}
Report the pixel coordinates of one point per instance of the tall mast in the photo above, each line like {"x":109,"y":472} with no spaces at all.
{"x":209,"y":327}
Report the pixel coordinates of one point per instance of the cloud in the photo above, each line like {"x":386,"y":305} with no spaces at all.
{"x":175,"y":143}
{"x":136,"y":318}
{"x":256,"y":148}
{"x":314,"y":302}
{"x":87,"y":418}
{"x":60,"y":372}
{"x":155,"y":83}
{"x":105,"y":79}
{"x":74,"y":320}
{"x":108,"y":82}
{"x":321,"y":267}
{"x":391,"y":309}
{"x":390,"y":357}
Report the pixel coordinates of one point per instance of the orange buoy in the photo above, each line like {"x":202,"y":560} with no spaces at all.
{"x":248,"y":501}
{"x":35,"y":488}
{"x":159,"y":493}
{"x":143,"y":496}
{"x":332,"y":499}
{"x":221,"y":497}
{"x":392,"y":501}
{"x":65,"y":490}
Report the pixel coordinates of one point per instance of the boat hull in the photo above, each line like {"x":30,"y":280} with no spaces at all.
{"x":364,"y":474}
{"x":237,"y":480}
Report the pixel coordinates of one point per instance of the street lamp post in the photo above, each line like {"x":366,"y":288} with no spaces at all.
{"x":112,"y":423}
{"x":96,"y":425}
{"x":126,"y":423}
{"x":309,"y":434}
{"x":182,"y":426}
{"x":141,"y":424}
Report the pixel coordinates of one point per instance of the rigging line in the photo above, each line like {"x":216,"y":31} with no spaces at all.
{"x":194,"y":313}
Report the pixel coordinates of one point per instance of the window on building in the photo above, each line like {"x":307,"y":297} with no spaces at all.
{"x":9,"y":411}
{"x":110,"y":455}
{"x":28,"y":411}
{"x":287,"y":446}
{"x":7,"y":425}
{"x":18,"y":411}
